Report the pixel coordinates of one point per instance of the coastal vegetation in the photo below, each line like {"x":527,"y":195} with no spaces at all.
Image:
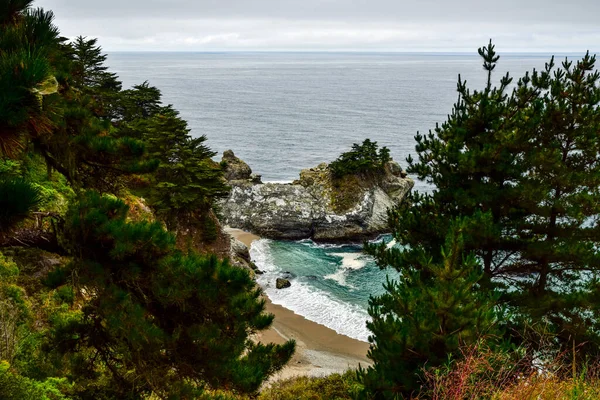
{"x":104,"y":294}
{"x":505,"y":248}
{"x":362,"y":158}
{"x":97,"y":298}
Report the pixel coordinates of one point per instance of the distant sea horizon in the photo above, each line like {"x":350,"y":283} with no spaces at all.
{"x":283,"y":112}
{"x":439,"y":53}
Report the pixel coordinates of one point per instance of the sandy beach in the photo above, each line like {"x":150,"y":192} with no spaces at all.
{"x":319,"y":349}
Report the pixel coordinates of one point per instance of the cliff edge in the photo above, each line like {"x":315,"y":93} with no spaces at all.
{"x":316,"y":206}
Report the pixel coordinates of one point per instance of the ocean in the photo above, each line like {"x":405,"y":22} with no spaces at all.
{"x":283,"y":112}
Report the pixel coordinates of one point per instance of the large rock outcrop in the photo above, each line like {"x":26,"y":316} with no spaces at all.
{"x":316,"y":206}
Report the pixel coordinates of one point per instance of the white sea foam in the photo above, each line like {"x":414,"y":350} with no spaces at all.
{"x":351,"y":260}
{"x":283,"y":182}
{"x":340,"y":277}
{"x":319,"y":307}
{"x":308,"y":301}
{"x":312,"y":244}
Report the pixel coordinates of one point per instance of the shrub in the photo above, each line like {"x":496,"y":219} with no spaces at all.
{"x":517,"y":374}
{"x":362,"y":158}
{"x":332,"y":387}
{"x":16,"y":387}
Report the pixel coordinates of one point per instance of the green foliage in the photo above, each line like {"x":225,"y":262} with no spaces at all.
{"x":524,"y":169}
{"x":27,"y":39}
{"x":14,"y":310}
{"x":17,"y":199}
{"x":10,"y":168}
{"x":331,"y":387}
{"x":187,"y":179}
{"x":65,"y":294}
{"x":89,"y":71}
{"x":362,"y":158}
{"x":141,"y":102}
{"x":160,"y":321}
{"x":427,"y":315}
{"x":530,"y":159}
{"x":16,"y":387}
{"x":129,"y":316}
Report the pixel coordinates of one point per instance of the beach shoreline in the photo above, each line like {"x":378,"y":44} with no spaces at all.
{"x":320,"y":350}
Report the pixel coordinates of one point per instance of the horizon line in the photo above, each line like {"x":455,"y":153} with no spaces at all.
{"x":432,"y":52}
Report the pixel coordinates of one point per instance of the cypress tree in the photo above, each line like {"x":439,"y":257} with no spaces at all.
{"x":524,"y":165}
{"x":135,"y":316}
{"x":433,"y":309}
{"x":89,"y":71}
{"x":187,"y":179}
{"x":159,"y":320}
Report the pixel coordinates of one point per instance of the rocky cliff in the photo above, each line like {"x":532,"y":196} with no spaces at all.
{"x":315,"y":206}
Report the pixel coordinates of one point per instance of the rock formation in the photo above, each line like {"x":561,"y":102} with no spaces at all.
{"x":282,"y":283}
{"x":316,"y":206}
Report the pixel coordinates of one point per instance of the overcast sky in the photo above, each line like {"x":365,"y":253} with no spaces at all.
{"x":372,"y":25}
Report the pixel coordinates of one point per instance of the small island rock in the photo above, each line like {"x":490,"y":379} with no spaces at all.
{"x":282,"y":283}
{"x":316,"y":206}
{"x":236,"y":169}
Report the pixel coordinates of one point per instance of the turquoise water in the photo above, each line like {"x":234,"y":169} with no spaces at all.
{"x":331,"y":284}
{"x":282,"y":112}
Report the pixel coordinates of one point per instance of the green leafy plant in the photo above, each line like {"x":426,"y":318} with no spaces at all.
{"x":18,"y":199}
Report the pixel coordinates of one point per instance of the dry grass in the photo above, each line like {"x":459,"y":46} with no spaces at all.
{"x":551,"y":388}
{"x":485,"y":374}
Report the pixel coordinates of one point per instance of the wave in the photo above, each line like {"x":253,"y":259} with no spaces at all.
{"x":308,"y":301}
{"x":350,"y":262}
{"x":339,"y":276}
{"x":312,"y":244}
{"x":282,"y":182}
{"x":353,"y":261}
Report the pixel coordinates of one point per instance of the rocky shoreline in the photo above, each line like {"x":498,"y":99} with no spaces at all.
{"x":315,"y":206}
{"x":320,"y":351}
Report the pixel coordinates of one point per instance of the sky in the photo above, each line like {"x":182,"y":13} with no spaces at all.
{"x":332,"y":25}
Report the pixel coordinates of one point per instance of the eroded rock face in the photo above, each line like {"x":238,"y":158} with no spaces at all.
{"x":315,"y":206}
{"x":235,"y":169}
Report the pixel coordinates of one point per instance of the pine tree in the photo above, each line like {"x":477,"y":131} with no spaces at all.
{"x":159,"y":320}
{"x":89,"y":74}
{"x":187,"y":180}
{"x":89,"y":71}
{"x":424,"y":318}
{"x":527,"y":164}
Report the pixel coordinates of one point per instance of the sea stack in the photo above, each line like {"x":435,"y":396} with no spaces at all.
{"x":316,"y":206}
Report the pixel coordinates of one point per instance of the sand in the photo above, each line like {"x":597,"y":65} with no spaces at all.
{"x":319,"y":350}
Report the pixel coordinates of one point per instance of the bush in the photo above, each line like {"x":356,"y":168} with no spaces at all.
{"x":16,"y":387}
{"x":482,"y":373}
{"x":332,"y":387}
{"x":17,"y":199}
{"x":362,"y":158}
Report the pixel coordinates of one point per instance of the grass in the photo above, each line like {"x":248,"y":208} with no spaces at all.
{"x":332,"y":387}
{"x":479,"y":374}
{"x":485,"y":374}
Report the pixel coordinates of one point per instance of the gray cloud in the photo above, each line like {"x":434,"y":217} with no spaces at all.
{"x":423,"y":25}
